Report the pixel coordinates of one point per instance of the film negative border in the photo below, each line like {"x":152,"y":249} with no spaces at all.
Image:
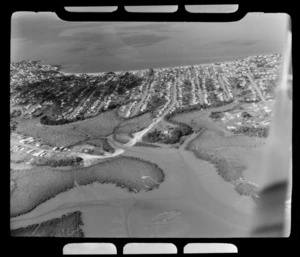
{"x":245,"y":245}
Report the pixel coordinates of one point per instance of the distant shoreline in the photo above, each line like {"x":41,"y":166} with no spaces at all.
{"x":158,"y":68}
{"x":161,"y":68}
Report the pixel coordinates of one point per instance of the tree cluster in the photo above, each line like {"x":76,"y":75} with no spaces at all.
{"x":62,"y":162}
{"x":127,"y":82}
{"x":209,"y":85}
{"x":15,"y":113}
{"x":156,"y":136}
{"x":156,"y":102}
{"x":215,"y":115}
{"x":45,"y":120}
{"x":251,"y":131}
{"x":13,"y":125}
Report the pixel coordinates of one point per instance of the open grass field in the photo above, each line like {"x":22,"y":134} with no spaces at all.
{"x":93,"y":128}
{"x":34,"y":186}
{"x":122,"y":138}
{"x":200,"y":118}
{"x":69,"y":134}
{"x":99,"y":126}
{"x":62,"y":135}
{"x":135,"y":124}
{"x":19,"y":157}
{"x":213,"y":139}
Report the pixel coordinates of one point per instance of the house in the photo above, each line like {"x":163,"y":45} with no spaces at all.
{"x":231,"y":127}
{"x":38,"y":153}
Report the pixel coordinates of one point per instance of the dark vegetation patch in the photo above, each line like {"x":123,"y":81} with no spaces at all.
{"x":45,"y":120}
{"x":13,"y":125}
{"x":155,"y":102}
{"x":15,"y":113}
{"x":173,"y":137}
{"x":246,"y":188}
{"x":252,"y":131}
{"x":229,"y":171}
{"x":57,"y":161}
{"x":135,"y":124}
{"x":216,"y":115}
{"x":127,"y":82}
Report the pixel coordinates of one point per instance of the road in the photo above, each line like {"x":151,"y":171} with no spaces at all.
{"x":173,"y":101}
{"x":138,"y":135}
{"x":256,"y":87}
{"x":223,"y":86}
{"x":139,"y":105}
{"x":199,"y":91}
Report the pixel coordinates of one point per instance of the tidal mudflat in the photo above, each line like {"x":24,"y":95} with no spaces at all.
{"x":69,"y":225}
{"x":229,"y":154}
{"x":39,"y":184}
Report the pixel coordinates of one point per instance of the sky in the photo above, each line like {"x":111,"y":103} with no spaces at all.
{"x":119,"y":46}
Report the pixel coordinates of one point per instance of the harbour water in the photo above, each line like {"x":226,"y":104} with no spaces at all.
{"x":83,"y":47}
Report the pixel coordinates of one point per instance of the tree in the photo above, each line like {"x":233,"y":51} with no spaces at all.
{"x":246,"y":115}
{"x":151,"y":72}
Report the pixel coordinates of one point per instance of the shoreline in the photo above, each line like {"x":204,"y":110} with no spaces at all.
{"x":231,"y":172}
{"x":141,"y":70}
{"x":160,"y":68}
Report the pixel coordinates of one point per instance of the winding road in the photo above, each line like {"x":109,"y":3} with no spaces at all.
{"x":138,"y":135}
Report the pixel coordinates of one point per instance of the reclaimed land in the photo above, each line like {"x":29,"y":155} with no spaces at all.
{"x":39,"y":184}
{"x":205,"y":147}
{"x":69,"y":225}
